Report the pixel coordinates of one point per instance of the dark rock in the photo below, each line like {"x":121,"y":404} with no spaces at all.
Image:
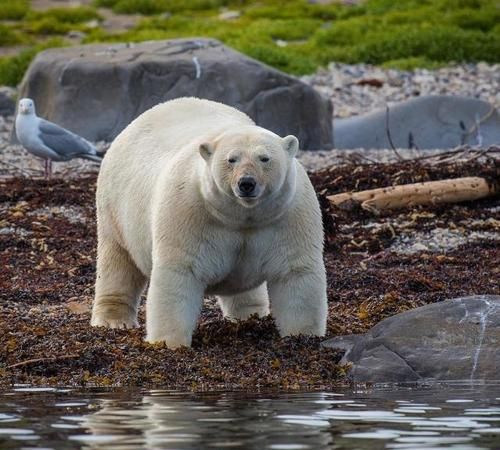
{"x":7,"y":101}
{"x":97,"y":90}
{"x":456,"y":339}
{"x":425,"y":122}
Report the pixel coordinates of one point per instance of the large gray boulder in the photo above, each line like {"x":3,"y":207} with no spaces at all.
{"x":427,"y":122}
{"x":97,"y":90}
{"x":456,"y":339}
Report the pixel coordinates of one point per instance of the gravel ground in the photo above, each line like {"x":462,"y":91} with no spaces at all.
{"x":439,"y":240}
{"x":353,"y":89}
{"x":444,"y":238}
{"x":359,"y":89}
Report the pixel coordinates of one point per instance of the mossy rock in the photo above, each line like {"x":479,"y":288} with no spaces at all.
{"x":113,"y":84}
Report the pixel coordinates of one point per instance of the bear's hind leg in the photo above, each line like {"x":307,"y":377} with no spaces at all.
{"x":242,"y":306}
{"x":118,"y":287}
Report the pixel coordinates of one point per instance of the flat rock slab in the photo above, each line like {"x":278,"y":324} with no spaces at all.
{"x":97,"y":90}
{"x":427,"y":122}
{"x":456,"y":339}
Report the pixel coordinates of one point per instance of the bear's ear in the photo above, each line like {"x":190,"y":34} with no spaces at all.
{"x":291,"y":144}
{"x":206,"y":151}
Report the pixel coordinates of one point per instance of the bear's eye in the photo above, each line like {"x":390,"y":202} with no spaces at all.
{"x":231,"y":160}
{"x":264,"y":159}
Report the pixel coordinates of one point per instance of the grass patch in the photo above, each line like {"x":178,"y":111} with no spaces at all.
{"x":72,"y":15}
{"x":425,"y":43}
{"x":12,"y":68}
{"x":59,"y":21}
{"x":48,"y":25}
{"x":13,"y":9}
{"x":300,"y":36}
{"x":149,"y":7}
{"x":8,"y":36}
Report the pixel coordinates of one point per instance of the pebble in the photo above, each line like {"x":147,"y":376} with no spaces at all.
{"x":16,"y":231}
{"x":409,"y":240}
{"x":438,"y":240}
{"x":76,"y":34}
{"x":74,"y":214}
{"x":229,"y":15}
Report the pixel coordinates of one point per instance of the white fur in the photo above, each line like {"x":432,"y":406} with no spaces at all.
{"x":169,"y":210}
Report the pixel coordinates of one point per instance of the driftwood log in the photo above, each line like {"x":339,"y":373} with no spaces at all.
{"x":430,"y":192}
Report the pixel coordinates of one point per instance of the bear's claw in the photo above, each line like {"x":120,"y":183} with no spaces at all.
{"x":114,"y":323}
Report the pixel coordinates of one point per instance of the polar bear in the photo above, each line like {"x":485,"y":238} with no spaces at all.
{"x":197,"y":199}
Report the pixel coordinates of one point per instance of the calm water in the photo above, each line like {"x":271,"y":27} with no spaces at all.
{"x":445,"y":416}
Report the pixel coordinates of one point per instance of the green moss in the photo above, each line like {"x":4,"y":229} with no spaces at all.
{"x":433,"y":43}
{"x":173,"y":27}
{"x":149,"y":7}
{"x":286,"y":30}
{"x":293,"y":10}
{"x":105,"y":3}
{"x":380,"y":7}
{"x":8,"y":36}
{"x":344,"y":33}
{"x":12,"y":68}
{"x":72,"y":15}
{"x":483,"y":20}
{"x":454,"y":5}
{"x":415,"y":31}
{"x":13,"y":9}
{"x":48,"y":25}
{"x":139,"y":6}
{"x":424,"y":15}
{"x":288,"y":59}
{"x":59,"y":20}
{"x":408,"y":32}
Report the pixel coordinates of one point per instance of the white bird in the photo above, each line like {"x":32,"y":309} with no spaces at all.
{"x":48,"y":140}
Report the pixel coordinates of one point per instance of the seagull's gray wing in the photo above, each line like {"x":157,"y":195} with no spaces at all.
{"x":63,"y":142}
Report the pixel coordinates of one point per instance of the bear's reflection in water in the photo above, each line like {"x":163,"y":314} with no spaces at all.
{"x":215,"y":420}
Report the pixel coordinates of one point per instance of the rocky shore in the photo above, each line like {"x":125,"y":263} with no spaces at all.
{"x":361,"y":88}
{"x":47,"y":251}
{"x":353,"y":90}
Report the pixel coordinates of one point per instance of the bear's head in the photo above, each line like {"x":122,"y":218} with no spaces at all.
{"x":249,"y":165}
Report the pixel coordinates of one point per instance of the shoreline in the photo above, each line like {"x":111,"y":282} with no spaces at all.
{"x":377,"y":266}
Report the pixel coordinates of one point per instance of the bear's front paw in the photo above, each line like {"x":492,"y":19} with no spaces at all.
{"x":109,"y":313}
{"x":170,"y":341}
{"x":114,"y":323}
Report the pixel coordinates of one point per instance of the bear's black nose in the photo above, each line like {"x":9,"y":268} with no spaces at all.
{"x":246,"y":185}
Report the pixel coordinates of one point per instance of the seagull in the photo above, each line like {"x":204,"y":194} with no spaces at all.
{"x":48,"y":140}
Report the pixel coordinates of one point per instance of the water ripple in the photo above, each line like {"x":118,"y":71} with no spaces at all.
{"x":455,"y":417}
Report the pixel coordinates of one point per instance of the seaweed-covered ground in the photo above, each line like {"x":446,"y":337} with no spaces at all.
{"x":377,"y":266}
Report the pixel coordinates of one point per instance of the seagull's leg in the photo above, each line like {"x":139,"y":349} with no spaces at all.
{"x":50,"y":168}
{"x":46,"y":169}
